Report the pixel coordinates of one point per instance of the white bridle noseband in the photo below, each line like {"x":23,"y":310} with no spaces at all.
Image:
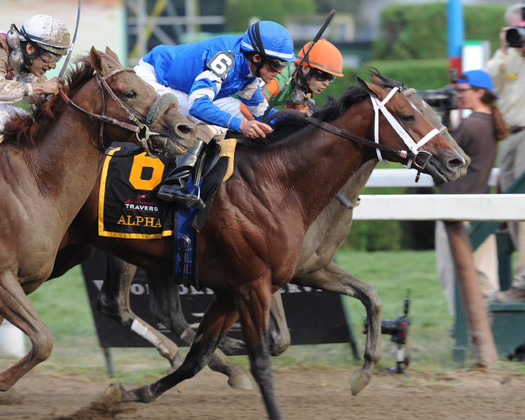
{"x":379,"y":106}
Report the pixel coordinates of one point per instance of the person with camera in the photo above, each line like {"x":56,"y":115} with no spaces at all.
{"x":478,"y":136}
{"x":507,"y":68}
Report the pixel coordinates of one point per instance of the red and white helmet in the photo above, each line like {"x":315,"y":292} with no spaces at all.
{"x":47,"y":33}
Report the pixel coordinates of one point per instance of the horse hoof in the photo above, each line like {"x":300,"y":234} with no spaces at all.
{"x":358,"y":380}
{"x":114,"y":392}
{"x":240,"y":381}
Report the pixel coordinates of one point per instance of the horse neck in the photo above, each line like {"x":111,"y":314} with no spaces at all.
{"x":313,"y":165}
{"x":357,"y":182}
{"x":66,"y":162}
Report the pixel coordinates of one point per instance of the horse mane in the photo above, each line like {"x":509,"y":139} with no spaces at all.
{"x":384,"y":81}
{"x":290,"y":122}
{"x":27,"y":130}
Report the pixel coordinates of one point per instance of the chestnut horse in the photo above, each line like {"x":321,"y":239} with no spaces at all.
{"x":49,"y":164}
{"x":252,"y":240}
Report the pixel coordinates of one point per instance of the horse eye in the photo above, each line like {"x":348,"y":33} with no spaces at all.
{"x":130,"y":94}
{"x":408,"y":118}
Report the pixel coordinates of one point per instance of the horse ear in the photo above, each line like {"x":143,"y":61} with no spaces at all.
{"x":367,"y":86}
{"x":112,"y":54}
{"x":97,"y":62}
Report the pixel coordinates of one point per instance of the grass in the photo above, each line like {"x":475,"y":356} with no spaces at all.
{"x":63,"y":305}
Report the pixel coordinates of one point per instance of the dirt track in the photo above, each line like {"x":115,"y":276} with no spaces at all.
{"x":303,"y":394}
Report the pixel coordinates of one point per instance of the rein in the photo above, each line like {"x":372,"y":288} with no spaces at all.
{"x":141,"y":130}
{"x":411,"y":154}
{"x":404,"y":154}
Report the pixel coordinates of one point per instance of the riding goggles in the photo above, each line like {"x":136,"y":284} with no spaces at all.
{"x":321,"y":75}
{"x":276,"y":64}
{"x":50,"y":58}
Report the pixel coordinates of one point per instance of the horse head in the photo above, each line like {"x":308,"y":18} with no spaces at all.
{"x":433,"y":117}
{"x":409,"y":129}
{"x":127,"y":102}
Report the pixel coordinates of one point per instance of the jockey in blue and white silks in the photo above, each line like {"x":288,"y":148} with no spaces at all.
{"x":206,"y":75}
{"x":204,"y":72}
{"x":184,"y":69}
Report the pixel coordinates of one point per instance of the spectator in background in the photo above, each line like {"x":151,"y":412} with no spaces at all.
{"x":478,"y":136}
{"x":507,"y":68}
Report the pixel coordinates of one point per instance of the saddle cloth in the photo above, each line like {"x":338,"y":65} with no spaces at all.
{"x":128,"y":204}
{"x":129,"y":207}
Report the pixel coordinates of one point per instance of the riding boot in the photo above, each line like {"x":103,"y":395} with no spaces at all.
{"x":174,"y":187}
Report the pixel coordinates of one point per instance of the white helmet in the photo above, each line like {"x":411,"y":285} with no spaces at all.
{"x":47,"y":33}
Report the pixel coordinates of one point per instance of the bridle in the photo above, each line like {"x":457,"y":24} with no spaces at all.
{"x":411,"y":155}
{"x":139,"y":125}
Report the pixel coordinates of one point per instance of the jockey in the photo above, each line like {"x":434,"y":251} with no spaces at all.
{"x":204,"y":76}
{"x":322,"y":65}
{"x":25,"y":56}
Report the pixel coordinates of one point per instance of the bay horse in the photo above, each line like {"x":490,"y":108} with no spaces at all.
{"x":49,"y":163}
{"x":253,"y":237}
{"x":317,"y":266}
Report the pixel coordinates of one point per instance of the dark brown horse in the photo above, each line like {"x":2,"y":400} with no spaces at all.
{"x":49,"y":163}
{"x":252,"y":240}
{"x":317,"y":266}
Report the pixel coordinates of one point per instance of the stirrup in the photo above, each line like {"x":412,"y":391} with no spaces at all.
{"x":174,"y":193}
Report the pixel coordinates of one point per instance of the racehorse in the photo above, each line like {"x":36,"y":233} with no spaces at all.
{"x":252,"y":239}
{"x":49,"y":163}
{"x":317,"y":267}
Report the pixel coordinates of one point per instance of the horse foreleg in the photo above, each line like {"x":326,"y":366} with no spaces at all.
{"x":216,"y":322}
{"x":333,"y":278}
{"x":254,"y":312}
{"x":166,"y":307}
{"x":17,"y":309}
{"x":280,"y":338}
{"x":113,"y":301}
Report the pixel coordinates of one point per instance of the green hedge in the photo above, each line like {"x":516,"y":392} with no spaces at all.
{"x":418,"y":74}
{"x":419,"y":31}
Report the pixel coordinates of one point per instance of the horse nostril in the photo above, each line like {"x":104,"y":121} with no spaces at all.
{"x":184,"y":130}
{"x":454,"y":163}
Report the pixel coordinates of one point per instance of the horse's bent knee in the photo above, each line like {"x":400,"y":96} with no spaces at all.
{"x":42,"y":348}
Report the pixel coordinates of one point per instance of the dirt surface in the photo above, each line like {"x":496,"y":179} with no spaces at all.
{"x":303,"y":394}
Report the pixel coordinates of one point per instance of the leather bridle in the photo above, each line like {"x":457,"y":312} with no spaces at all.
{"x":411,"y":154}
{"x":139,"y":125}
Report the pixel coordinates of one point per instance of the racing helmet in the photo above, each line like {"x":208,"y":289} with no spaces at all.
{"x":270,"y":40}
{"x":46,"y":33}
{"x":323,"y":56}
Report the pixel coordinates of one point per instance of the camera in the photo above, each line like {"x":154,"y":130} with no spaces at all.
{"x":398,"y":331}
{"x":515,"y":36}
{"x":444,"y":99}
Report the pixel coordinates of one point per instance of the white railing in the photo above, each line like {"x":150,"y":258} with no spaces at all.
{"x":472,"y":207}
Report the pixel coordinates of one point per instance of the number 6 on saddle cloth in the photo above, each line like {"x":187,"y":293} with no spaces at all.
{"x":129,"y":206}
